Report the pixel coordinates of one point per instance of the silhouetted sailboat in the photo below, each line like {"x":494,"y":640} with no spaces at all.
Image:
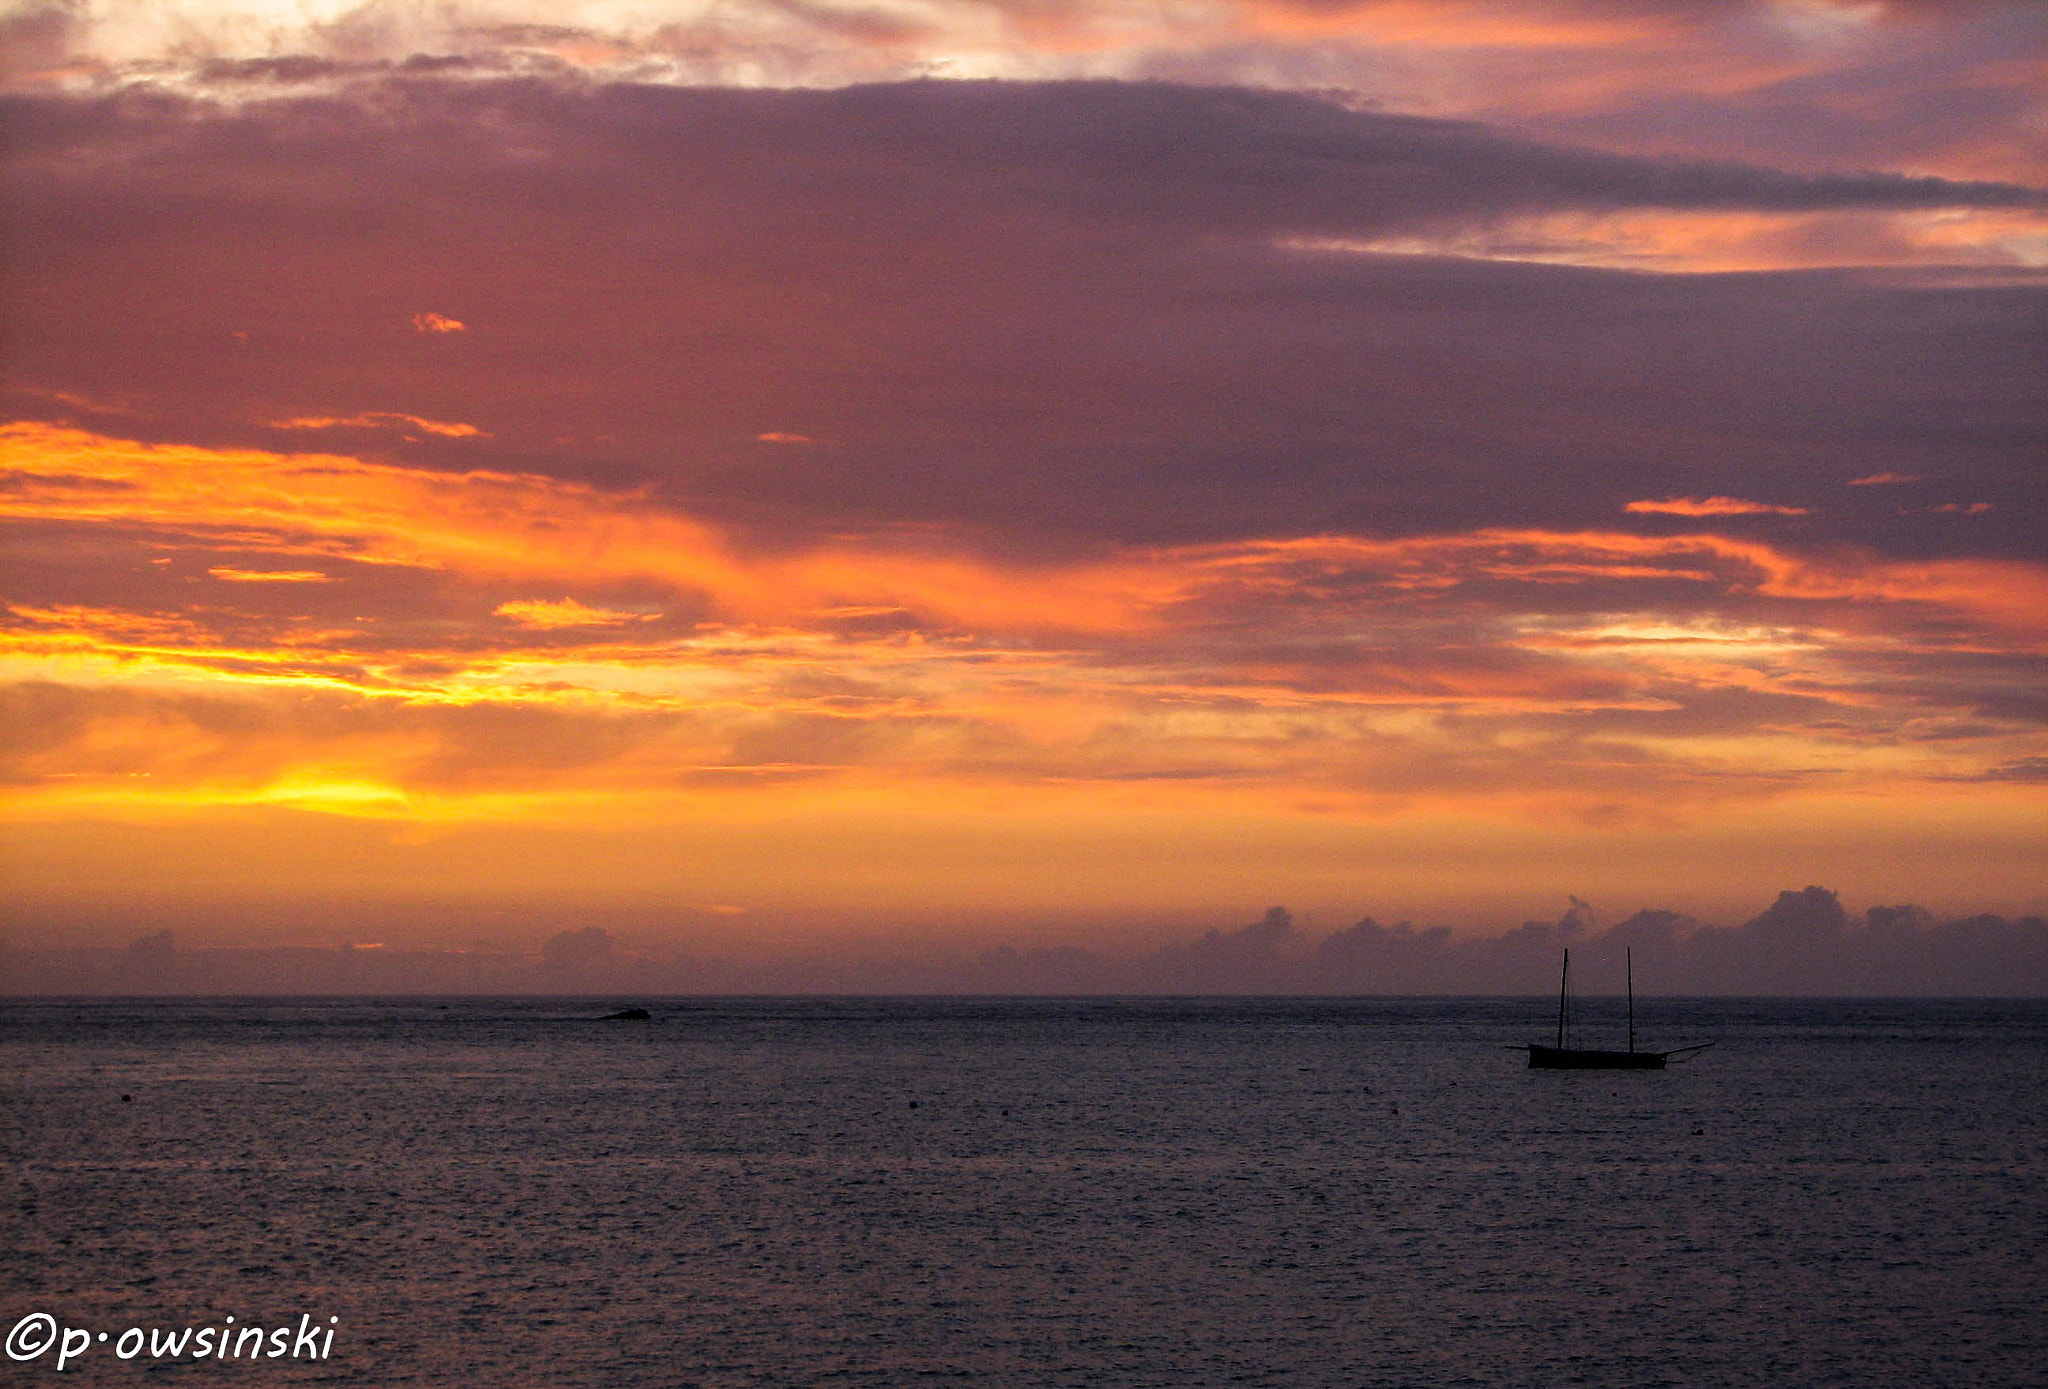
{"x":1564,"y":1058}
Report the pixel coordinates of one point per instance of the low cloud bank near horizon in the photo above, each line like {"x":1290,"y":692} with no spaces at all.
{"x":1804,"y":944}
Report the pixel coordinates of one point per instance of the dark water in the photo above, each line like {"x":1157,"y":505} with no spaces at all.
{"x":1029,"y":1193}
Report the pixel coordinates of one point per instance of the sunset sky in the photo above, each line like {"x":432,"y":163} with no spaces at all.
{"x":1039,"y":470}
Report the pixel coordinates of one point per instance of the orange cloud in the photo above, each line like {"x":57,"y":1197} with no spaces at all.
{"x":379,"y":419}
{"x":1715,"y":506}
{"x":1514,"y":669}
{"x":1717,"y":241}
{"x":437,"y":323}
{"x":545,"y":616}
{"x":270,"y":576}
{"x":334,"y":506}
{"x":499,"y":526}
{"x":1408,"y":23}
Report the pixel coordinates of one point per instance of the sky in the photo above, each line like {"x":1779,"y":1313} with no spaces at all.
{"x":780,"y":473}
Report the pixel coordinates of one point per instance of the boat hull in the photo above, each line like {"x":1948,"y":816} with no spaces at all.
{"x":1574,"y":1059}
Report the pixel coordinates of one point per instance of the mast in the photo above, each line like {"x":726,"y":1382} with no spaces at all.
{"x":1561,"y":981}
{"x":1630,"y":965}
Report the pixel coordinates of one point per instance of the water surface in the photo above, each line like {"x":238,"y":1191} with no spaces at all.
{"x":1032,"y":1193}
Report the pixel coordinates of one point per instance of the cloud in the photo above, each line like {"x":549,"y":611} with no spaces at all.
{"x":1155,"y":503}
{"x":1713,"y":506}
{"x":1938,"y":87}
{"x":1804,"y":944}
{"x":437,"y":323}
{"x":270,"y":576}
{"x":1494,"y":668}
{"x":1883,"y":480}
{"x":344,"y":508}
{"x":1720,"y":240}
{"x":544,"y":615}
{"x":379,"y":419}
{"x":1022,"y":336}
{"x":37,"y":41}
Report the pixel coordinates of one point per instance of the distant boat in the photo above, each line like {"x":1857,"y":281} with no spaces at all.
{"x":1564,"y":1058}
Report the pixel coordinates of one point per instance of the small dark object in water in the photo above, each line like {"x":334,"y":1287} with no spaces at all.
{"x":627,"y":1015}
{"x":913,"y":1104}
{"x":126,"y":1098}
{"x":1563,"y":1058}
{"x":1544,"y":1058}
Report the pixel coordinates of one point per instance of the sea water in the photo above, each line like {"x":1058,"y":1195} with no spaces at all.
{"x":803,"y":1192}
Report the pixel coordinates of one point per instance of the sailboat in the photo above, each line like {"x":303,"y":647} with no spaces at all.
{"x":1564,"y":1058}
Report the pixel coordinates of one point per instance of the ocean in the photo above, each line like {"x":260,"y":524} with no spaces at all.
{"x":1021,"y":1192}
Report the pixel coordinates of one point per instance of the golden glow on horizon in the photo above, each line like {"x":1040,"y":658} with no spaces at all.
{"x":1108,"y":866}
